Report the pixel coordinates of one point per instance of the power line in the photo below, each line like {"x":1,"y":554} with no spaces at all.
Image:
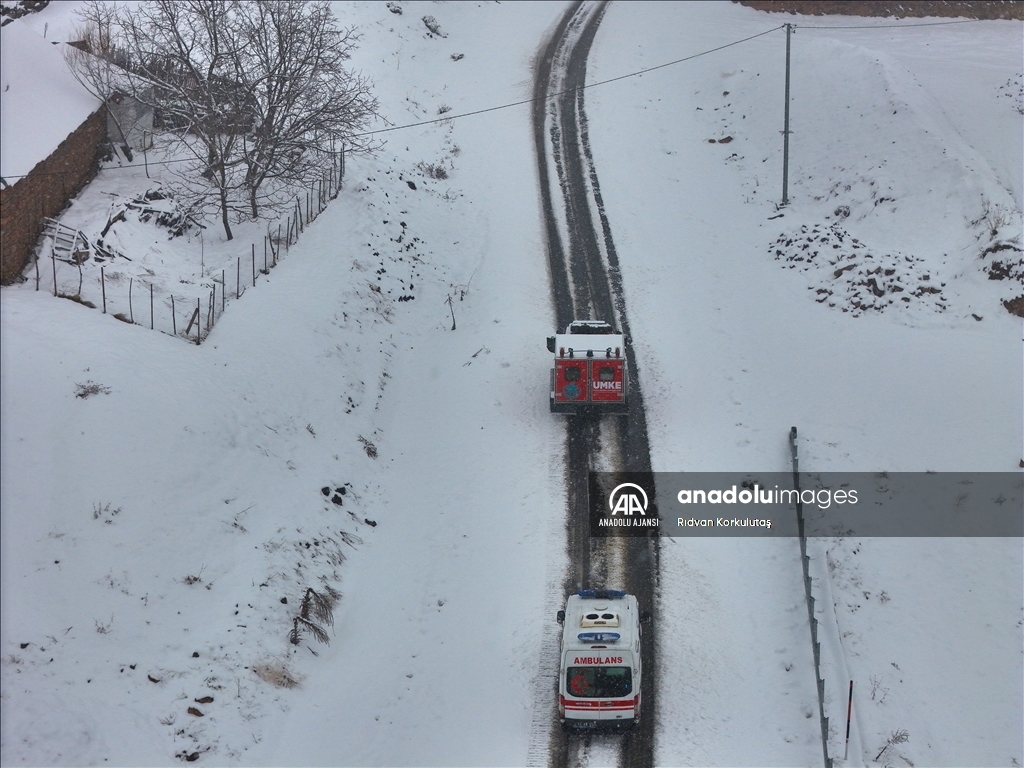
{"x":688,"y":58}
{"x":488,"y":109}
{"x":109,"y":168}
{"x":583,"y":87}
{"x":895,"y":26}
{"x":129,"y":165}
{"x":660,"y":66}
{"x":560,"y":93}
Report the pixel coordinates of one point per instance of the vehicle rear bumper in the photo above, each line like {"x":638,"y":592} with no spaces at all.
{"x":590,"y":409}
{"x":583,"y":713}
{"x":620,"y":722}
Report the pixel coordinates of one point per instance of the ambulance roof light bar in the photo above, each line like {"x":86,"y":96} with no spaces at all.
{"x":603,"y":594}
{"x":598,"y":637}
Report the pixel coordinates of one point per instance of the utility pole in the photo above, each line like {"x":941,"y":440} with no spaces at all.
{"x":785,"y":131}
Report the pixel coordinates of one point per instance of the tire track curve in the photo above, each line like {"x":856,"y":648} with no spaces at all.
{"x":586,"y":284}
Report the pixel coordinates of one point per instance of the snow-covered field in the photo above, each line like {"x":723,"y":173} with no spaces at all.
{"x":151,"y":531}
{"x":735,"y":350}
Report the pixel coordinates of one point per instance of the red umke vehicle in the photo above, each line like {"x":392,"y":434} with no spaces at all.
{"x":589,"y":375}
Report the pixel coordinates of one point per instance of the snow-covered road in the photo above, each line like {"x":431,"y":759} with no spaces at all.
{"x":136,"y":522}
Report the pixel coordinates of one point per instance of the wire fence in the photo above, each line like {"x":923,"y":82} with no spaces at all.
{"x":62,"y":266}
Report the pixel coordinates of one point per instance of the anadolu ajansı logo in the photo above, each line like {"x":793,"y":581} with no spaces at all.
{"x":627,"y":501}
{"x":631,"y":509}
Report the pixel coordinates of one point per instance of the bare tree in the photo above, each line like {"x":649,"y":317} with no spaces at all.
{"x":256,"y":92}
{"x":178,"y":58}
{"x":181,"y":56}
{"x":93,"y":48}
{"x":91,"y":52}
{"x":305,"y":101}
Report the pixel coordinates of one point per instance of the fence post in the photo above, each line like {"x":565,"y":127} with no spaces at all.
{"x":151,"y":323}
{"x":103,"y":288}
{"x":53,"y":258}
{"x":174,"y":319}
{"x":199,"y":321}
{"x":849,"y":710}
{"x":238,"y":277}
{"x":223,"y":289}
{"x":298,"y":216}
{"x":278,"y":243}
{"x":131,"y":309}
{"x":37,"y":270}
{"x":253,"y":265}
{"x":265,"y":270}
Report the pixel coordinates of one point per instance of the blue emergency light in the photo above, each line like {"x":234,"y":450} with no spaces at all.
{"x":598,"y":637}
{"x":602,"y":594}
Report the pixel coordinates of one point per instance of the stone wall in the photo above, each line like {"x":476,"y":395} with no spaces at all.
{"x":46,"y":192}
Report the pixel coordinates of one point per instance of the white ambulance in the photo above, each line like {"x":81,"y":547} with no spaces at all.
{"x":599,"y":679}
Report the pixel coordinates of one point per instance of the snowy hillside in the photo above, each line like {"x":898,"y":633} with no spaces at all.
{"x":738,"y":346}
{"x":371,"y":416}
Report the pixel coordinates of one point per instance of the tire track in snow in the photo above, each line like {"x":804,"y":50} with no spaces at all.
{"x":586,"y":283}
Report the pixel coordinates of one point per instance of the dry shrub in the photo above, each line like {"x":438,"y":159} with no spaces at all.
{"x":77,"y":299}
{"x":90,"y":388}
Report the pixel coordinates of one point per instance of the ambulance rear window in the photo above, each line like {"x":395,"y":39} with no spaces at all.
{"x":572,"y":374}
{"x":598,"y":682}
{"x":606,"y":373}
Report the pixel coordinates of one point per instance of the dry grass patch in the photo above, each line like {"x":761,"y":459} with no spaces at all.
{"x":277,"y":674}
